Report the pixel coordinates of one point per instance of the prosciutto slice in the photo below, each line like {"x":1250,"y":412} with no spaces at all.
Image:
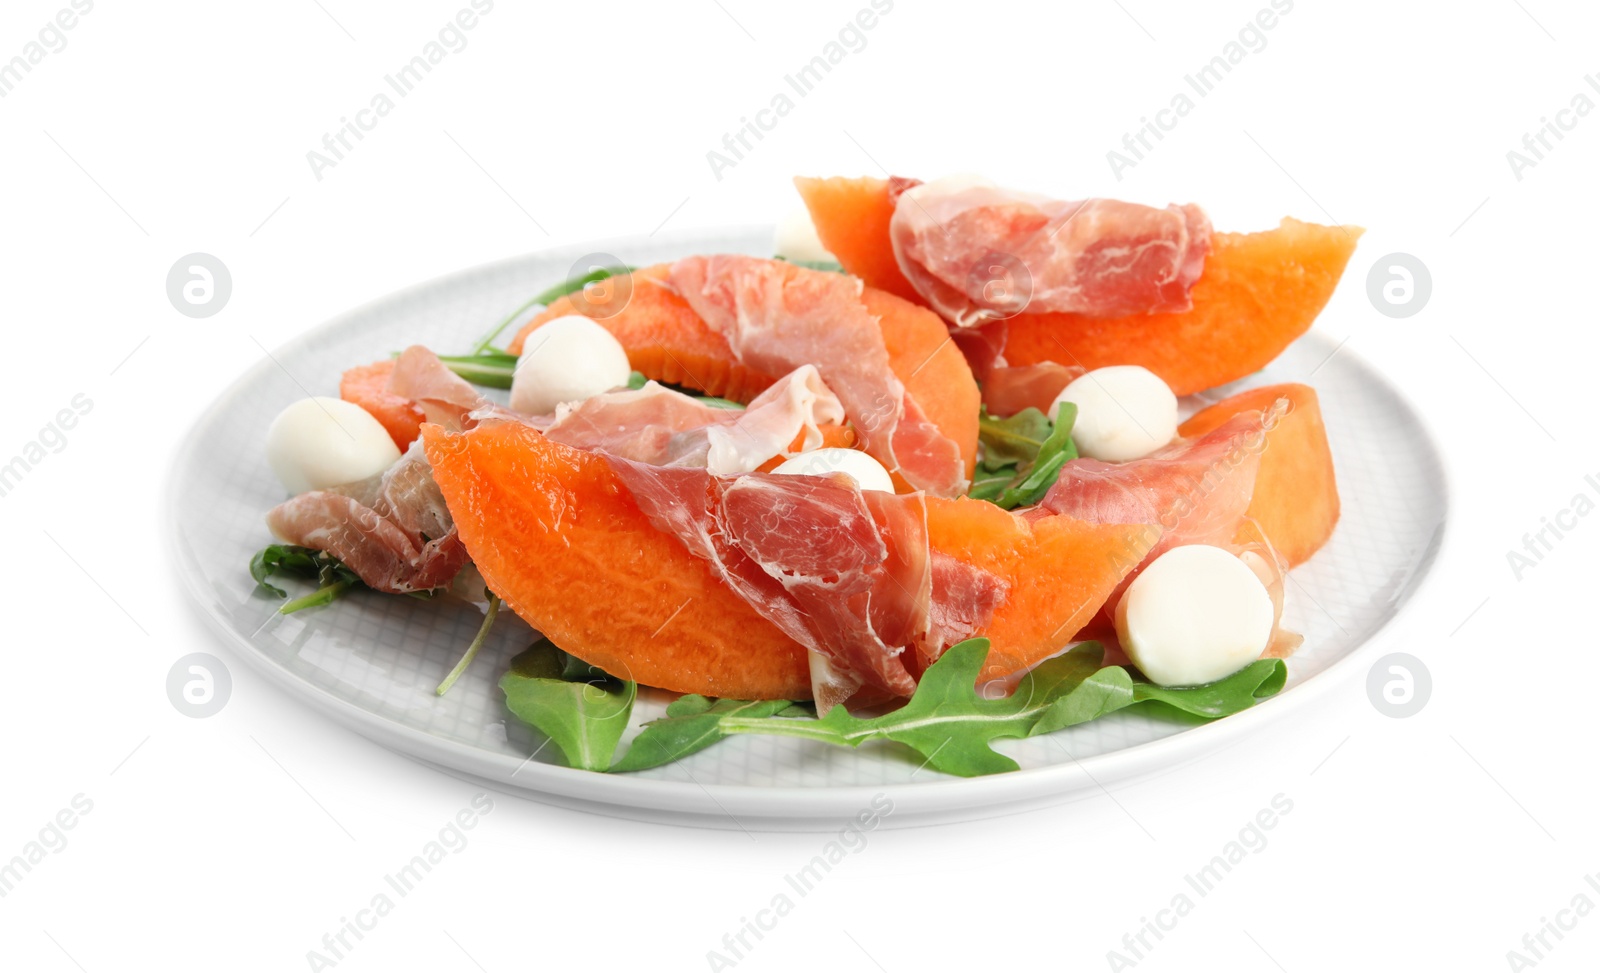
{"x":979,"y":253}
{"x":1010,"y":389}
{"x":842,"y":572}
{"x":393,"y":530}
{"x":444,"y":397}
{"x":663,"y":427}
{"x":777,"y":317}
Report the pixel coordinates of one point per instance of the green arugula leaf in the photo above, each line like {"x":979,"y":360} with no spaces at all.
{"x":951,"y":725}
{"x":946,"y":720}
{"x":1014,"y":439}
{"x":693,"y":723}
{"x":584,"y":717}
{"x":332,"y":577}
{"x":1023,"y":455}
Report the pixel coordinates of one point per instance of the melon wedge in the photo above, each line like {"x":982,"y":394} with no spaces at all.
{"x":1259,"y":292}
{"x":668,"y":342}
{"x":559,"y":538}
{"x":1296,"y":499}
{"x":852,"y":220}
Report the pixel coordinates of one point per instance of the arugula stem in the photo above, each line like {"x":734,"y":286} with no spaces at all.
{"x":806,"y":729}
{"x":472,"y":650}
{"x":319,"y":597}
{"x":485,"y":344}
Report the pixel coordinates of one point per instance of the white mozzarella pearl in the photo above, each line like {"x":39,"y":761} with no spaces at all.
{"x":1124,"y":412}
{"x":868,"y":473}
{"x":324,"y":442}
{"x":1195,"y":614}
{"x":796,"y":239}
{"x":567,"y":359}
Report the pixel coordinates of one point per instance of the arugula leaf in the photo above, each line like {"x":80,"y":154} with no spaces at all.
{"x":485,"y":344}
{"x":951,"y":725}
{"x":584,"y":717}
{"x":693,"y":723}
{"x":1014,"y":439}
{"x":946,"y":720}
{"x":1023,"y":455}
{"x":332,"y":577}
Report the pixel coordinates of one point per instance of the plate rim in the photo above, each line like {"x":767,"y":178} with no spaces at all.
{"x":785,"y":807}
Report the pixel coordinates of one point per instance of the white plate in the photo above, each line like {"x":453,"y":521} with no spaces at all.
{"x":371,"y":661}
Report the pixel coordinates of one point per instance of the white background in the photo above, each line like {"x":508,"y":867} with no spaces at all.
{"x":1433,"y":842}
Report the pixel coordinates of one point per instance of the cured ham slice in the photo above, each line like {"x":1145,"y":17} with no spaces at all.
{"x":443,"y":396}
{"x":662,"y":427}
{"x":978,"y":253}
{"x":1010,"y":389}
{"x":777,"y":317}
{"x":394,"y":530}
{"x":844,"y":573}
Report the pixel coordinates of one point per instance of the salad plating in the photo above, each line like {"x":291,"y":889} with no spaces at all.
{"x":922,"y":478}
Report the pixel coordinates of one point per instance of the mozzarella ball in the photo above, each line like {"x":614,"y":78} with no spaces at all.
{"x":796,"y":239}
{"x":325,"y":442}
{"x":567,"y":359}
{"x":868,"y":473}
{"x":1195,"y":614}
{"x":1124,"y":412}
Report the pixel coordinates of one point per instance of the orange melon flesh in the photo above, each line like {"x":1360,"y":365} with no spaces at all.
{"x":665,"y":340}
{"x":1296,"y":499}
{"x":852,"y":220}
{"x":1060,"y":572}
{"x":561,"y":540}
{"x":368,"y":387}
{"x":1258,"y":292}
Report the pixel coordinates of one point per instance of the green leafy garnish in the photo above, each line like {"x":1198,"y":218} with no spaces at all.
{"x":1022,"y":455}
{"x":693,"y":723}
{"x":947,"y":721}
{"x":332,"y":577}
{"x":580,"y":708}
{"x":550,"y":296}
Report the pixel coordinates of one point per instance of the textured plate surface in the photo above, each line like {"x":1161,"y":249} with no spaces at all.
{"x":371,"y":661}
